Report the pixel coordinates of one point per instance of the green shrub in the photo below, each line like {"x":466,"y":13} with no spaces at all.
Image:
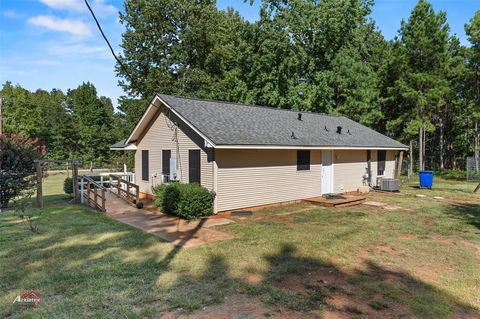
{"x":184,"y":200}
{"x":453,"y":174}
{"x":68,"y":185}
{"x":17,"y":169}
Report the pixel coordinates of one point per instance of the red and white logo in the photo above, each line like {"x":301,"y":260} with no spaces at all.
{"x":31,"y":296}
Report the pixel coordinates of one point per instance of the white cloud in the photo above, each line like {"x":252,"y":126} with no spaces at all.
{"x":72,"y":50}
{"x":98,"y":6}
{"x":11,"y":14}
{"x":75,"y":27}
{"x":74,"y":5}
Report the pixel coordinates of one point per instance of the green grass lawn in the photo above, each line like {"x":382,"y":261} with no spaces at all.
{"x":420,"y":259}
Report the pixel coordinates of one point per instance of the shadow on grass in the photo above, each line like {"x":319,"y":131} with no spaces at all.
{"x":81,"y":257}
{"x":301,"y":286}
{"x":467,"y":212}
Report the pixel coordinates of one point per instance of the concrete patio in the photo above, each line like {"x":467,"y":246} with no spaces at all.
{"x":175,"y":230}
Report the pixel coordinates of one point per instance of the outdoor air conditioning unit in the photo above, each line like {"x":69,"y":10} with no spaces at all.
{"x":389,"y":184}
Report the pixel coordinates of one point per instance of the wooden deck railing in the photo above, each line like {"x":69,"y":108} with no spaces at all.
{"x":93,"y":193}
{"x":124,"y":189}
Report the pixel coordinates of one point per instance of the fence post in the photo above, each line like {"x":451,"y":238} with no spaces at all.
{"x":76,"y":198}
{"x":82,"y":190}
{"x":137,"y":195}
{"x":95,"y":195}
{"x":110,"y":182}
{"x":88,"y":193}
{"x":103,"y":200}
{"x":118,"y":185}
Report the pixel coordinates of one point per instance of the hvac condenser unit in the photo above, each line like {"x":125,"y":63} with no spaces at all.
{"x":389,"y":184}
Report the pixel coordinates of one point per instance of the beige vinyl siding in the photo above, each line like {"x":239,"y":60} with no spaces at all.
{"x":349,"y":167}
{"x":161,"y":137}
{"x":389,"y":166}
{"x":247,"y":178}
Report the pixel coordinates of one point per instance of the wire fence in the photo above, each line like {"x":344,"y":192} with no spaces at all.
{"x":473,"y":169}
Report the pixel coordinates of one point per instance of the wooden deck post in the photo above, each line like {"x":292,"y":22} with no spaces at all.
{"x":103,"y":200}
{"x":137,"y":195}
{"x":88,"y":193}
{"x":38,"y":167}
{"x":82,"y":191}
{"x":76,"y":197}
{"x":118,"y":186}
{"x":95,"y":195}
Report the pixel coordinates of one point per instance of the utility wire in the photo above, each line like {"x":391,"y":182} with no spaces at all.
{"x":112,"y":51}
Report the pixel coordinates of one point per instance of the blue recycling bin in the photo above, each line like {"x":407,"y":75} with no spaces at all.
{"x":426,"y":179}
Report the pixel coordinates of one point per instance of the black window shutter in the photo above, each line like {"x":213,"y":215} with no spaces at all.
{"x":303,"y":160}
{"x":145,"y":165}
{"x":194,"y":166}
{"x":166,"y":155}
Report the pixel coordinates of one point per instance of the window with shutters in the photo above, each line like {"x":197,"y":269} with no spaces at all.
{"x":145,"y":165}
{"x":194,"y":166}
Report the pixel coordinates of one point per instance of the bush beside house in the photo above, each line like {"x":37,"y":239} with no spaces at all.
{"x":68,"y":185}
{"x":187,"y":201}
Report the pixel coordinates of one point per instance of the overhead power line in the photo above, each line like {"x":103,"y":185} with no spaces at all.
{"x":111,"y":49}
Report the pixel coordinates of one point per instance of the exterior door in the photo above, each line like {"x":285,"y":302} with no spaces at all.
{"x":327,"y":172}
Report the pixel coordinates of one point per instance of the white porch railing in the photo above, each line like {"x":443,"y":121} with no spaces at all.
{"x":105,"y":180}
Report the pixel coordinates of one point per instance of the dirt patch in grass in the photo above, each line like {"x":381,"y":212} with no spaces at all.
{"x":386,"y":249}
{"x":254,"y":279}
{"x":342,"y":294}
{"x":407,"y":236}
{"x":238,"y":306}
{"x":452,"y":242}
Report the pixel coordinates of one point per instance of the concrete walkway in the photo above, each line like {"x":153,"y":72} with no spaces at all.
{"x":175,"y":230}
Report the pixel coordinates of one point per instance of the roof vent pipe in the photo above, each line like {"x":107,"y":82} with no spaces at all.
{"x":339,"y":129}
{"x":299,"y":116}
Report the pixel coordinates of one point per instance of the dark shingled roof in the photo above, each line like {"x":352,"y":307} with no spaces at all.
{"x":227,"y":123}
{"x":119,"y":144}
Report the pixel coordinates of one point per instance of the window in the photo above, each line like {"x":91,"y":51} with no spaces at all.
{"x":303,"y":160}
{"x":194,"y":166}
{"x":145,"y":165}
{"x":381,"y":157}
{"x":166,"y":155}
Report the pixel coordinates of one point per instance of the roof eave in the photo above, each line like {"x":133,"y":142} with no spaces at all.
{"x":251,"y":146}
{"x":129,"y":147}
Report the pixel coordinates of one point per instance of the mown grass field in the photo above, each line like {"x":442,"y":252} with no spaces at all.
{"x":420,"y":258}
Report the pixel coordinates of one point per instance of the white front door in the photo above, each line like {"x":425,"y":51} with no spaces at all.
{"x":327,"y":172}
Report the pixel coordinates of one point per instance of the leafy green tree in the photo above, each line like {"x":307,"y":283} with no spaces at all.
{"x":421,"y":87}
{"x":183,"y":47}
{"x":473,"y":78}
{"x":16,"y":165}
{"x":93,"y":122}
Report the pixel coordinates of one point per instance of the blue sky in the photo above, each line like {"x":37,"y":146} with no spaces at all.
{"x":55,"y":44}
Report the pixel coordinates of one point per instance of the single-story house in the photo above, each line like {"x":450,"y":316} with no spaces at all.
{"x":252,"y":155}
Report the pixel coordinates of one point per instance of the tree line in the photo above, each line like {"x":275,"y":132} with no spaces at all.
{"x":77,"y":124}
{"x":422,"y":88}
